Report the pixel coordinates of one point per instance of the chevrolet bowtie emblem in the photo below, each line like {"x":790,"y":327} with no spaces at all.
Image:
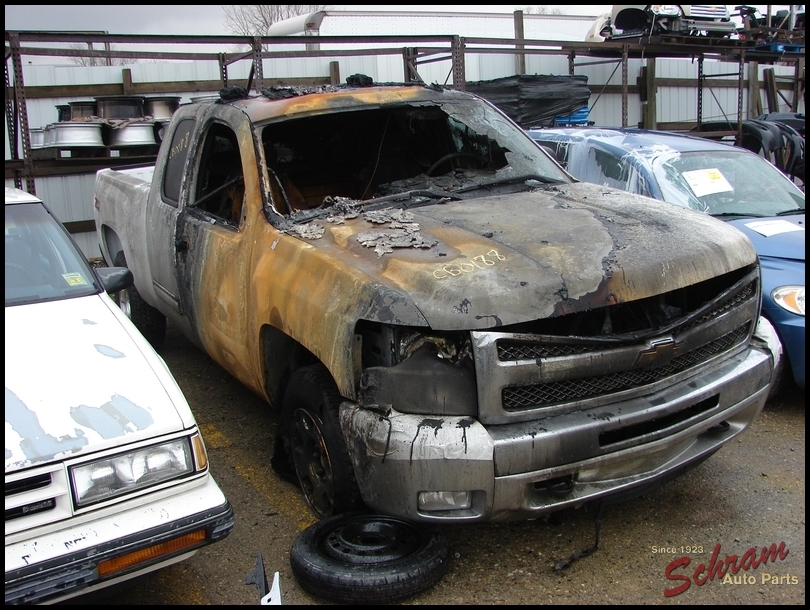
{"x":659,"y":353}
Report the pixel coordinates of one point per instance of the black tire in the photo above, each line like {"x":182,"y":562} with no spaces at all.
{"x":369,"y":559}
{"x":148,"y":320}
{"x":310,"y":443}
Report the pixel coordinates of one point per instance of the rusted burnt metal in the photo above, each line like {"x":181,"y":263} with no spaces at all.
{"x":401,"y":232}
{"x":283,"y":93}
{"x":311,"y":230}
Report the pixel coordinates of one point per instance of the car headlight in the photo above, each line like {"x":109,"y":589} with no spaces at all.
{"x":666,"y":10}
{"x":790,"y":298}
{"x":124,"y":473}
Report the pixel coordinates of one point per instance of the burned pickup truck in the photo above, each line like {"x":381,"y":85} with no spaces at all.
{"x":453,"y":328}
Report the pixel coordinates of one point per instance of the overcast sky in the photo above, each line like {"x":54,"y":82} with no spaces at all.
{"x":196,"y":19}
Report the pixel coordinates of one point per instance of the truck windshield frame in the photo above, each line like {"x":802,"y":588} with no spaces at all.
{"x":368,"y":153}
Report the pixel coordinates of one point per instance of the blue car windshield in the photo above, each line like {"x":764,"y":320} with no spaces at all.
{"x":726,"y":183}
{"x":42,"y":262}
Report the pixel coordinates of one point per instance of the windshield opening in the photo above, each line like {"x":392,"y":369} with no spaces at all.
{"x":367,"y":154}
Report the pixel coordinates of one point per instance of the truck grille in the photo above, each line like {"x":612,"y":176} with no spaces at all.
{"x":709,"y":11}
{"x":528,"y":397}
{"x":36,"y":482}
{"x":36,"y":497}
{"x":547,"y":369}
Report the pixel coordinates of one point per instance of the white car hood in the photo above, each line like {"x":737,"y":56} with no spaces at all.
{"x":79,"y":379}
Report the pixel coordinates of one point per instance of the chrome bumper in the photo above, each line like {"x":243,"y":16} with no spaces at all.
{"x":527,"y":469}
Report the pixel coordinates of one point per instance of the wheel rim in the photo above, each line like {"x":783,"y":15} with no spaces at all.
{"x":312,"y":463}
{"x":371,"y":540}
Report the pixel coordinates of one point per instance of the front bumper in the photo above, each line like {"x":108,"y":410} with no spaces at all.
{"x":722,"y":27}
{"x":527,"y":469}
{"x":58,"y":565}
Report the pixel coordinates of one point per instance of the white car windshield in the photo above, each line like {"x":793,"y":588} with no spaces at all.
{"x":42,"y":263}
{"x":726,"y":183}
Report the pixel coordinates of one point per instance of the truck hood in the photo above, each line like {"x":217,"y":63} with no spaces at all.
{"x":776,"y":236}
{"x":80,"y":379}
{"x":504,"y":259}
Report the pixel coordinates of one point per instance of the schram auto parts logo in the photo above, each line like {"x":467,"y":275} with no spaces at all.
{"x":728,"y":570}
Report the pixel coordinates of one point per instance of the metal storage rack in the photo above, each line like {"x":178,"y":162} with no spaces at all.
{"x":415,"y":51}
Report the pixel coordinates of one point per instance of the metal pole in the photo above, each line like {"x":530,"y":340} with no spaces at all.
{"x":740,"y":98}
{"x":700,"y":92}
{"x":223,"y":69}
{"x":625,"y":89}
{"x":459,"y":76}
{"x":520,"y":58}
{"x":22,"y":114}
{"x":258,"y":70}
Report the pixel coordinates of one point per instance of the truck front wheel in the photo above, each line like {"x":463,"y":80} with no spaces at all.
{"x":311,"y":433}
{"x":148,"y":320}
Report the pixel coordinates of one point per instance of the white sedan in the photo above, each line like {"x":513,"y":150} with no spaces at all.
{"x":107,"y":476}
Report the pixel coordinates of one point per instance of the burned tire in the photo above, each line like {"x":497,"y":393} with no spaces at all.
{"x":369,"y":559}
{"x":148,"y":320}
{"x":313,"y":444}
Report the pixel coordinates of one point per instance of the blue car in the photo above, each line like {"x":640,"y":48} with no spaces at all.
{"x":728,"y":182}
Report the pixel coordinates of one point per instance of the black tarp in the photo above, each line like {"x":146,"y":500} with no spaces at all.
{"x":534,"y":100}
{"x":775,"y":136}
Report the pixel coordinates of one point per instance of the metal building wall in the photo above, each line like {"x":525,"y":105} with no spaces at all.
{"x":70,"y":198}
{"x":480,"y":25}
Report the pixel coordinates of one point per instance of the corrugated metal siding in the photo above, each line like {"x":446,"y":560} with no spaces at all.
{"x":680,"y":103}
{"x":606,"y":109}
{"x":70,"y":198}
{"x":546,"y":64}
{"x":474,"y":25}
{"x":557,"y":27}
{"x":477,"y":25}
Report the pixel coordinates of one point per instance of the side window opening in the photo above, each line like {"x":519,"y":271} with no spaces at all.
{"x":220,"y":184}
{"x":609,"y":170}
{"x":175,"y":166}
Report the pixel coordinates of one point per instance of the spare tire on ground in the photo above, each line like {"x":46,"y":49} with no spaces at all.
{"x":358,"y":558}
